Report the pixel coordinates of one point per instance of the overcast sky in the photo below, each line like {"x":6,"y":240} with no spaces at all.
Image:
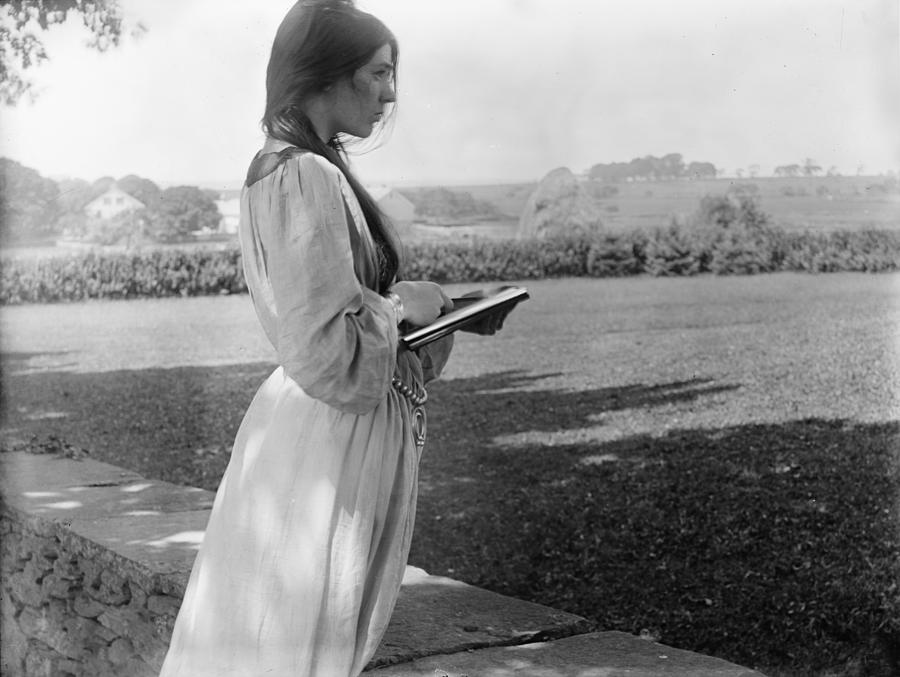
{"x":490,"y":90}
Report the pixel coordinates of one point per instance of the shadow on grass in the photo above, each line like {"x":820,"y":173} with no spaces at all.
{"x":505,"y":403}
{"x":774,"y":546}
{"x":770,"y":545}
{"x":178,"y":424}
{"x":175,"y":424}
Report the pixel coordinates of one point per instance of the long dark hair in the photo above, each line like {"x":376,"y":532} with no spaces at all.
{"x":318,"y":43}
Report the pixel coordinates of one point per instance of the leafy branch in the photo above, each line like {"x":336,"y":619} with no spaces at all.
{"x":21,"y":47}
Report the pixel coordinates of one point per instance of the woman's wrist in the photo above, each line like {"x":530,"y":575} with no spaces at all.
{"x":397,"y":304}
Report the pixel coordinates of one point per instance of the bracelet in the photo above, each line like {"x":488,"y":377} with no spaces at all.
{"x":396,"y":304}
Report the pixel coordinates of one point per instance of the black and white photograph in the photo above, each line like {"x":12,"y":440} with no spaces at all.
{"x":416,"y":338}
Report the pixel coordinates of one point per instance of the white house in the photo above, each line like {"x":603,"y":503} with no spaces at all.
{"x":114,"y":201}
{"x":394,"y":204}
{"x":230,"y":209}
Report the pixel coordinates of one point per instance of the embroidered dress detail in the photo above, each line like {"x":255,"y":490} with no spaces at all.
{"x":417,"y":395}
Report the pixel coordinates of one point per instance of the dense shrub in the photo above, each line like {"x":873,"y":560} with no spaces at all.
{"x":746,"y":245}
{"x":676,"y":250}
{"x":864,"y":251}
{"x":110,"y":276}
{"x":617,"y":256}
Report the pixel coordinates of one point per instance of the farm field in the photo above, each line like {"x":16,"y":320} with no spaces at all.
{"x":712,"y":461}
{"x":797,"y":203}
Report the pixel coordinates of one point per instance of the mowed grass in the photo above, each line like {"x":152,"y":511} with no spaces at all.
{"x":710,"y":461}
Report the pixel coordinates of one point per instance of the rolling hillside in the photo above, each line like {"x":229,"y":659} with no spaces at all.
{"x":818,"y":203}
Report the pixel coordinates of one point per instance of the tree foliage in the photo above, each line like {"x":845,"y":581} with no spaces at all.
{"x":449,"y":204}
{"x":788,"y":170}
{"x":651,"y":168}
{"x":143,"y":189}
{"x":701,"y":170}
{"x":74,"y":194}
{"x":21,"y":47}
{"x":169,"y":215}
{"x":810,"y":168}
{"x":179,"y":211}
{"x":28,"y":202}
{"x":101,"y":185}
{"x":33,"y":207}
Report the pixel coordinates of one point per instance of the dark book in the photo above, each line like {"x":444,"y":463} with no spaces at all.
{"x":466,"y":311}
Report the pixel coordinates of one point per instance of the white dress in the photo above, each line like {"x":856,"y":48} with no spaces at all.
{"x":309,"y":534}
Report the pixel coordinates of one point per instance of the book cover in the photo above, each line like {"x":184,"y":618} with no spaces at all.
{"x":466,"y":311}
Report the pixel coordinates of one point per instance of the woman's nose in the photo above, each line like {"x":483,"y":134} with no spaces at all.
{"x":388,"y":95}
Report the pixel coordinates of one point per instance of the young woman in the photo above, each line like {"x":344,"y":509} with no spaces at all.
{"x":309,"y":534}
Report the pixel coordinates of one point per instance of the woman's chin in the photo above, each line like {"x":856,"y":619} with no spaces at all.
{"x":362,"y":132}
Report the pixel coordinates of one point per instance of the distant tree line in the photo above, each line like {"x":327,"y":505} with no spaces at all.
{"x":441,"y":203}
{"x":808,"y":168}
{"x":651,"y":168}
{"x":33,"y":207}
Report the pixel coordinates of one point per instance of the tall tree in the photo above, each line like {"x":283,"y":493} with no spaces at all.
{"x":138,"y":187}
{"x":810,"y":168}
{"x":23,"y":21}
{"x":672,"y":166}
{"x":101,"y":185}
{"x":74,"y":194}
{"x":701,"y":170}
{"x":181,"y":210}
{"x":787,"y":170}
{"x":28,"y":203}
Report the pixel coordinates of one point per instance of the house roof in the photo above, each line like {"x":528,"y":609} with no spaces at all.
{"x":114,"y":190}
{"x":378,"y":193}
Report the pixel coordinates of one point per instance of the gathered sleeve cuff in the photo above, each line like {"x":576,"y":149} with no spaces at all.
{"x":335,"y":337}
{"x":434,"y":357}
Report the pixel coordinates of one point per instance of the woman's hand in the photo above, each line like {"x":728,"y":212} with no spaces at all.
{"x":489,"y":324}
{"x":423,"y":302}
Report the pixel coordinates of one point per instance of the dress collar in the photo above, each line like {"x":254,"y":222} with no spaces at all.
{"x":274,"y":146}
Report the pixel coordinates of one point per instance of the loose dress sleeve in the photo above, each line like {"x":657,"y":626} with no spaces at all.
{"x":434,"y":357}
{"x":335,"y":337}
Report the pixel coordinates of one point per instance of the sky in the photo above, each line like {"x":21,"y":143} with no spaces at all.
{"x":489,"y":90}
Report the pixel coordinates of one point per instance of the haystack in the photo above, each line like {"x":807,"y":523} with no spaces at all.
{"x":559,"y":206}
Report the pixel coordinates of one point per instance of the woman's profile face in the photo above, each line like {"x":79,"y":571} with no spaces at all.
{"x":357,"y":102}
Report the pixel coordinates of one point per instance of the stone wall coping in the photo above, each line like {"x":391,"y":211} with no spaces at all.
{"x":147,"y":528}
{"x":147,"y":533}
{"x":596,"y":654}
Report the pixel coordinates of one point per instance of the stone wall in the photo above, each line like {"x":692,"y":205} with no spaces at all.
{"x":71,"y":610}
{"x":86,"y":588}
{"x":95,"y":561}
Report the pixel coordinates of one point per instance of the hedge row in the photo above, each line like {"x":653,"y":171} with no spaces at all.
{"x":675,"y":250}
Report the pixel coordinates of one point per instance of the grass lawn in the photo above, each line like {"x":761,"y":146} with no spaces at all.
{"x":710,"y":461}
